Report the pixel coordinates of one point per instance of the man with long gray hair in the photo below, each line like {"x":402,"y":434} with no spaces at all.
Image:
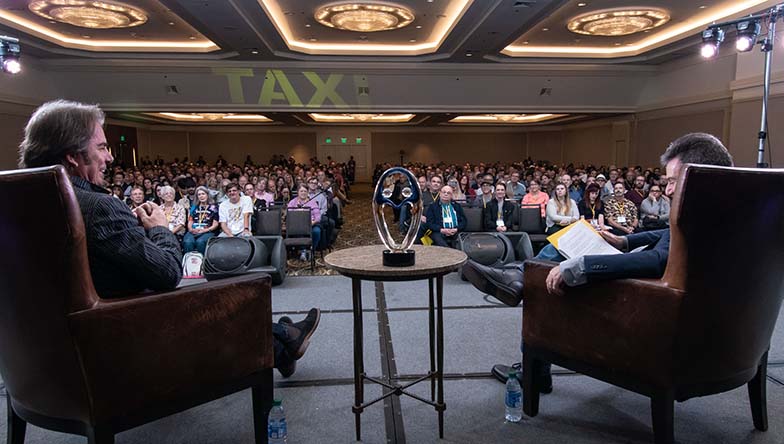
{"x":128,"y":251}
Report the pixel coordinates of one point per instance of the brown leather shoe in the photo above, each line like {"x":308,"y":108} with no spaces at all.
{"x":505,"y":284}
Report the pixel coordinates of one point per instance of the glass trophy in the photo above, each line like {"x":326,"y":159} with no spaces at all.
{"x":397,"y":254}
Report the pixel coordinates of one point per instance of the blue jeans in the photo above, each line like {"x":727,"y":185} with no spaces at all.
{"x":197,"y":242}
{"x":549,"y":253}
{"x":316,"y":233}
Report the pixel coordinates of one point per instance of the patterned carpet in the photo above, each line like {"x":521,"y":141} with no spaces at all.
{"x":358,"y":230}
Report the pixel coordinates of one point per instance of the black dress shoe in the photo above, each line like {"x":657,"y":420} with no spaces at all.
{"x":300,"y":333}
{"x":506,"y":284}
{"x":288,"y":369}
{"x":501,"y":372}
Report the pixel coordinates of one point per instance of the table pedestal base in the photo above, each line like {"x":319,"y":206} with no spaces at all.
{"x":436,"y":373}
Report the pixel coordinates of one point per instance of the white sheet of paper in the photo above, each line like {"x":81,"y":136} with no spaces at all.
{"x":581,"y":240}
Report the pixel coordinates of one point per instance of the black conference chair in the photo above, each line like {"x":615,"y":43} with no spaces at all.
{"x":299,"y":232}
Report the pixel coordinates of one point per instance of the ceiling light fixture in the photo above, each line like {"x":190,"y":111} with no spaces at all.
{"x":360,"y":118}
{"x":211,"y":117}
{"x":364,"y":17}
{"x":505,"y":118}
{"x":89,"y":14}
{"x":617,"y":22}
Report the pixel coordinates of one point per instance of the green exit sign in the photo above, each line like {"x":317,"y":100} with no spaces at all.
{"x":328,"y":140}
{"x":122,"y":138}
{"x":344,"y":140}
{"x":359,"y":140}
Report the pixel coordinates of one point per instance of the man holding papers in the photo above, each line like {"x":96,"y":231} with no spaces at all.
{"x":596,"y":257}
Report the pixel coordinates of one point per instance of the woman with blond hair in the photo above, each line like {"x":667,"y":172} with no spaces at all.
{"x":561,"y":210}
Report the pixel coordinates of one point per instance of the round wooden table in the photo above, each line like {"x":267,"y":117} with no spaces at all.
{"x":432,"y":263}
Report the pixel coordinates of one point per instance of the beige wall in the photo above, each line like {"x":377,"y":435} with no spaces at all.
{"x":654,"y":130}
{"x":744,"y":126}
{"x":593,"y":142}
{"x":233,"y":146}
{"x":446,"y":146}
{"x":12,"y":122}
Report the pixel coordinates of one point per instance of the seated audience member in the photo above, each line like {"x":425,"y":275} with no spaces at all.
{"x":262,"y":193}
{"x":465,"y":187}
{"x":655,"y":210}
{"x":149,"y":190}
{"x":137,"y":198}
{"x":561,"y":210}
{"x":499,"y":213}
{"x":485,"y":196}
{"x":202,"y":222}
{"x":620,"y":213}
{"x":234,"y":213}
{"x":175,"y":214}
{"x":637,"y":193}
{"x":605,"y":188}
{"x":128,"y":252}
{"x":187,"y":189}
{"x":445,"y":219}
{"x":321,"y":198}
{"x":304,"y":201}
{"x":535,"y":196}
{"x":256,"y":203}
{"x":458,"y":195}
{"x":591,"y":207}
{"x":574,"y":192}
{"x":546,"y":184}
{"x":515,"y":189}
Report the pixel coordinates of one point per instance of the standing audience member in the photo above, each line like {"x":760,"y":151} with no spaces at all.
{"x":655,"y":210}
{"x":234,"y":213}
{"x":561,"y":210}
{"x":202,"y":222}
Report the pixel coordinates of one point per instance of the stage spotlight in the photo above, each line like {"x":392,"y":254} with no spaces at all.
{"x":748,"y":31}
{"x":711,"y":40}
{"x":9,"y":54}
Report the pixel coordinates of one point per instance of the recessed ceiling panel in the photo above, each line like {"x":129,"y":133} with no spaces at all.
{"x":405,"y":28}
{"x":611,"y":28}
{"x":105,"y":26}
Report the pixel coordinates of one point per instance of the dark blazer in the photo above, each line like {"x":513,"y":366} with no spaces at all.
{"x":435,"y":222}
{"x":490,"y":214}
{"x":648,"y":263}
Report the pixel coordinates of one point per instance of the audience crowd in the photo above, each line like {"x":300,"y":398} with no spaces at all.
{"x":622,"y":200}
{"x":202,"y":200}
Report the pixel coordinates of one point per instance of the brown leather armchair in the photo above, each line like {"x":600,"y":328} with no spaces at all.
{"x":703,"y":328}
{"x":76,"y":363}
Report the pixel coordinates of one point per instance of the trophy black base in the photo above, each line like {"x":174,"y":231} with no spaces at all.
{"x":401,"y":259}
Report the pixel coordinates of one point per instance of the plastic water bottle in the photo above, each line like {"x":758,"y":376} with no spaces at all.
{"x":276,"y":424}
{"x":514,"y":399}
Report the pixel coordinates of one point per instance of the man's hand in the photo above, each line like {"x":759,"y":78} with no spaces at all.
{"x":424,"y":219}
{"x":448,"y":231}
{"x":151,"y":215}
{"x":555,"y":282}
{"x":501,"y":229}
{"x":616,"y":241}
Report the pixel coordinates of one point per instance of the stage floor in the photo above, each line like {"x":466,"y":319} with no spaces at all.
{"x":479,"y":332}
